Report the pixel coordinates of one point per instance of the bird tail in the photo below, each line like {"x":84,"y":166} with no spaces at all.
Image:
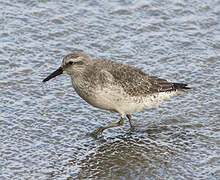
{"x":180,"y":86}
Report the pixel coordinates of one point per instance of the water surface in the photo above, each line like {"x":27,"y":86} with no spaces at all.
{"x":43,"y":129}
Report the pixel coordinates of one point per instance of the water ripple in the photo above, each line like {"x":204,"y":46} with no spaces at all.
{"x":44,"y":128}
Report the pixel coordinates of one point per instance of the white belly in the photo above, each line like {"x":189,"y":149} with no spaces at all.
{"x":117,"y":100}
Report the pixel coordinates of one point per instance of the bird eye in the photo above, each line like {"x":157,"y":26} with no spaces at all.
{"x":70,"y":63}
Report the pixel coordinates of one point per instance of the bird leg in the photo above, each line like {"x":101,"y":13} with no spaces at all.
{"x":101,"y":129}
{"x":130,"y":121}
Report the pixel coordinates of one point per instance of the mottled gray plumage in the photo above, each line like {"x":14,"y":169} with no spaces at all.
{"x":134,"y":81}
{"x":115,"y":86}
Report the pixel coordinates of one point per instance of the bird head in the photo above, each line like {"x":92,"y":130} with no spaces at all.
{"x":72,"y":64}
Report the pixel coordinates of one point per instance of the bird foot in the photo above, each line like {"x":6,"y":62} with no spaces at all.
{"x":97,"y":131}
{"x":132,"y":128}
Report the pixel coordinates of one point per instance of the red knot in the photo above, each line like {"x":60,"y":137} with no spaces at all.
{"x":114,"y":86}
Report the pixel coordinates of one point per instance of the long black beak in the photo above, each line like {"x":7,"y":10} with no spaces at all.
{"x":54,"y":74}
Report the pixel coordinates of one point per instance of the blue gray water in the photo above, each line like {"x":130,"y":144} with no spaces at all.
{"x":43,"y":128}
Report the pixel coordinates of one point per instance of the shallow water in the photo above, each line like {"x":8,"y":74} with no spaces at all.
{"x":43,"y":128}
